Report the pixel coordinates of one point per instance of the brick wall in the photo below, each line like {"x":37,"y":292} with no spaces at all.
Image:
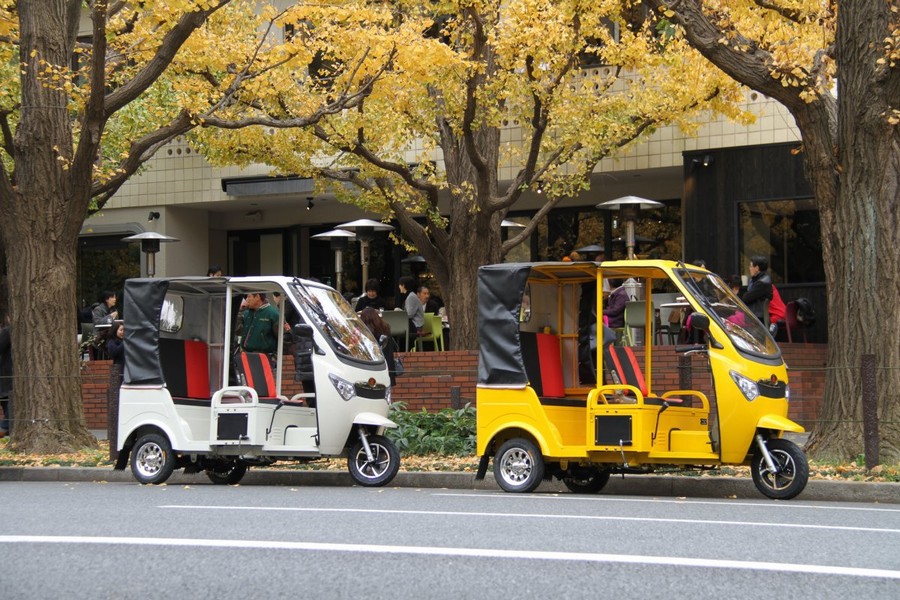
{"x":431,"y":376}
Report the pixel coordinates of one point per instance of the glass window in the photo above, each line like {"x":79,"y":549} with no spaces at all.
{"x":788,"y":233}
{"x":333,"y":316}
{"x":745,"y":331}
{"x":172,"y":314}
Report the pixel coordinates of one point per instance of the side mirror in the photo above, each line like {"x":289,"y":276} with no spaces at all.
{"x":303,"y":331}
{"x":700,"y":321}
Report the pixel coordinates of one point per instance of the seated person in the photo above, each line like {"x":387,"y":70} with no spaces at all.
{"x":615,"y":306}
{"x":370,"y":298}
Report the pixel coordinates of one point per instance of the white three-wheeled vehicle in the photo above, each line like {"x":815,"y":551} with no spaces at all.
{"x":188,"y":401}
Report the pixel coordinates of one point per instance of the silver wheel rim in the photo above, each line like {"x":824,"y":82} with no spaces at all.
{"x":783,"y":479}
{"x":516,"y":466}
{"x":378,"y":466}
{"x":150,"y":459}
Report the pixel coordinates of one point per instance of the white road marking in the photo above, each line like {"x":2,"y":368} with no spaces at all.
{"x":792,"y":504}
{"x":665,"y":561}
{"x":543,"y":516}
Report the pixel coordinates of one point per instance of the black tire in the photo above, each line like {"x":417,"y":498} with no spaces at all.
{"x":591,"y":484}
{"x":791,"y":464}
{"x":379,"y":471}
{"x":227,"y":473}
{"x":518,"y":466}
{"x":152,"y":459}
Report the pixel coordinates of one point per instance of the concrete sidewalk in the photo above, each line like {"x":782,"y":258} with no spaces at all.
{"x":664,"y":486}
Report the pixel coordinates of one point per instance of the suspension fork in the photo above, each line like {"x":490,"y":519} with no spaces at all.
{"x":365,"y":443}
{"x":767,"y":456}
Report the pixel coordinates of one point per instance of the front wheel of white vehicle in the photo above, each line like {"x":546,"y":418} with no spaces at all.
{"x":152,"y":459}
{"x":382,"y":467}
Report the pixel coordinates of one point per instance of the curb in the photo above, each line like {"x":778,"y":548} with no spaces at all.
{"x":674,"y":486}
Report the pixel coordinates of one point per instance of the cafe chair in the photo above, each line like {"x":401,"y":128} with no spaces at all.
{"x":791,"y":324}
{"x":437,"y":332}
{"x":398,"y":321}
{"x":427,"y":334}
{"x":635,"y":319}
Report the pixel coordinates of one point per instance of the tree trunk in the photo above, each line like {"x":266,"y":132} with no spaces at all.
{"x":475,"y":241}
{"x":861,"y":234}
{"x":40,"y":218}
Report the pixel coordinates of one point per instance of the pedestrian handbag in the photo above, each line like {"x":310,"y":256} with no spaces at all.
{"x":389,"y":346}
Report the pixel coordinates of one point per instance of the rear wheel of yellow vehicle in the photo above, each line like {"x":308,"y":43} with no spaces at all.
{"x":591,"y":484}
{"x":518,"y":466}
{"x":791,"y":470}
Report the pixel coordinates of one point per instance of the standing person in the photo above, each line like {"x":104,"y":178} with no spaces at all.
{"x":759,"y":290}
{"x":115,"y":346}
{"x":370,"y":298}
{"x":6,"y":373}
{"x":104,"y":312}
{"x":257,"y":324}
{"x":214,"y":271}
{"x":414,"y":307}
{"x":382,"y":332}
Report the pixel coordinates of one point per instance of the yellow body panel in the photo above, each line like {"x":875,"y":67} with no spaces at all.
{"x":588,"y":426}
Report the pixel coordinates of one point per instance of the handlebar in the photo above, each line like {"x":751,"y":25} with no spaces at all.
{"x":691,"y":348}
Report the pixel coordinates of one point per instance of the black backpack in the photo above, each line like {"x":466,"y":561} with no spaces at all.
{"x":806,"y":312}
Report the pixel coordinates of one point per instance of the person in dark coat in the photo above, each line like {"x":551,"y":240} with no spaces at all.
{"x":759,"y":290}
{"x":370,"y":298}
{"x":115,"y":346}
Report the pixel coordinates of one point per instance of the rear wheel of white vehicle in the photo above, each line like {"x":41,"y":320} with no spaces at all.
{"x":227,"y":473}
{"x":519,"y":466}
{"x":152,"y":459}
{"x":383,"y":466}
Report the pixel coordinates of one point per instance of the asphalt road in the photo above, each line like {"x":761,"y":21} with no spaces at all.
{"x":122,"y":540}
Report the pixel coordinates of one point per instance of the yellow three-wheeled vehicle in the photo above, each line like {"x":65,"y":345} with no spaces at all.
{"x":555,"y":401}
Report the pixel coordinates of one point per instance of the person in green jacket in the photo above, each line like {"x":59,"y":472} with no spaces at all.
{"x":257,"y":324}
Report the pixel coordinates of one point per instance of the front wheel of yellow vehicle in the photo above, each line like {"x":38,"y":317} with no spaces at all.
{"x":791,"y":470}
{"x":518,"y":466}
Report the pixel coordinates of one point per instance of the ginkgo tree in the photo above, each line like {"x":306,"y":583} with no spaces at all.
{"x":80,"y":112}
{"x":835,"y":65}
{"x":476,"y":85}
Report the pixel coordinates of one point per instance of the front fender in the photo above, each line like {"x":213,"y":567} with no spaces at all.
{"x":370,"y":418}
{"x":778,"y":423}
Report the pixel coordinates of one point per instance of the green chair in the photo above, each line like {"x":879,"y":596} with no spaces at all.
{"x":636,"y":318}
{"x":437,"y":332}
{"x":427,"y":334}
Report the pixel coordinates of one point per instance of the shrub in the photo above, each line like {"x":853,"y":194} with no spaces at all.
{"x":448,"y":432}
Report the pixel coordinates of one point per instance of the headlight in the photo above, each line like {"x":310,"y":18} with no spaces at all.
{"x":787,"y":393}
{"x":748,"y":387}
{"x":387,"y":395}
{"x":343,"y":387}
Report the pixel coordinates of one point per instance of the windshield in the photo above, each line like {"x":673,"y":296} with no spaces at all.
{"x":745,"y":331}
{"x":331,"y":315}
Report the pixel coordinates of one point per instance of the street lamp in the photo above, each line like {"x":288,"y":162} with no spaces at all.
{"x":365,"y":232}
{"x":629,"y":208}
{"x":150,"y":241}
{"x":339,"y":240}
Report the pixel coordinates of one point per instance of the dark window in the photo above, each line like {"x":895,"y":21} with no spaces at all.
{"x":788,"y":233}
